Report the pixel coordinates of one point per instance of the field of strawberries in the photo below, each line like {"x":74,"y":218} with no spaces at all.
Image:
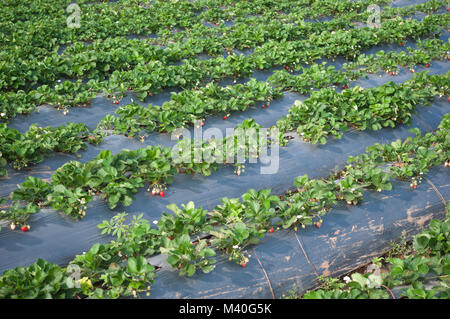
{"x":224,"y":148}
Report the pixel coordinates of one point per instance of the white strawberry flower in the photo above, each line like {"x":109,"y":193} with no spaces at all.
{"x":155,"y":222}
{"x":347,"y":279}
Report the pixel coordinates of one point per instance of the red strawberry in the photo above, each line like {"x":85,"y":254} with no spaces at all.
{"x":271,"y":230}
{"x":412,"y":71}
{"x":217,"y":23}
{"x":427,"y":65}
{"x":25,"y":228}
{"x":262,"y":106}
{"x":243,"y":265}
{"x":116,"y":102}
{"x":344,"y":87}
{"x":150,"y":93}
{"x":448,"y":100}
{"x":414,"y":186}
{"x":225,"y":117}
{"x":84,"y":105}
{"x":391,"y":73}
{"x":170,"y":237}
{"x":287,"y":68}
{"x":203,"y":123}
{"x":318,"y":224}
{"x":161,"y":194}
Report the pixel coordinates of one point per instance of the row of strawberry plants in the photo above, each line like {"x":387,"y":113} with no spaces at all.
{"x":187,"y":107}
{"x":23,"y":149}
{"x":321,"y":76}
{"x":427,"y":51}
{"x":273,"y":32}
{"x":152,"y":78}
{"x":118,"y":177}
{"x":327,"y":112}
{"x":49,"y":61}
{"x":298,"y":10}
{"x":165,"y":15}
{"x":102,"y":57}
{"x":192,"y":235}
{"x":421,"y":274}
{"x":75,"y":93}
{"x":291,"y":27}
{"x":184,"y":109}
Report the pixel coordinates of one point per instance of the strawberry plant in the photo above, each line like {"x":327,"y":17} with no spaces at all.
{"x":187,"y":256}
{"x":29,"y":282}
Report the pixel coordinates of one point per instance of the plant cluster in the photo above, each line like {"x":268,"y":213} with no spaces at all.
{"x":328,"y":112}
{"x":188,"y":107}
{"x":32,"y":146}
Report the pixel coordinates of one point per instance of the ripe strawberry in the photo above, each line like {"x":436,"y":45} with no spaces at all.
{"x":262,"y":106}
{"x":203,"y":123}
{"x":84,"y":105}
{"x":150,"y":94}
{"x":116,"y":102}
{"x":318,"y":224}
{"x":271,"y":230}
{"x":170,"y":237}
{"x":427,"y":65}
{"x":225,"y":117}
{"x":287,"y":68}
{"x":412,"y":71}
{"x":161,"y":194}
{"x":25,"y":228}
{"x":448,"y":99}
{"x":414,"y":186}
{"x":243,"y":265}
{"x":391,"y":73}
{"x":344,"y":87}
{"x":217,"y":23}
